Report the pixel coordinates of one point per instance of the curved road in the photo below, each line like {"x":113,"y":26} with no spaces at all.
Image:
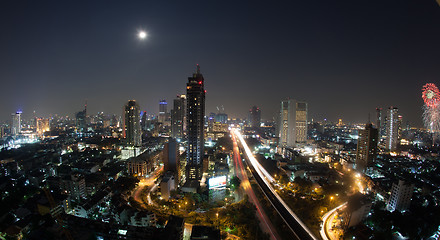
{"x":326,"y":232}
{"x":149,"y":181}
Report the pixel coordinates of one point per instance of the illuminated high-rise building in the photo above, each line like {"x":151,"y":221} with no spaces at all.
{"x":392,"y":129}
{"x":16,"y":123}
{"x":178,"y":117}
{"x":132,"y":124}
{"x":162,"y":111}
{"x":293,"y":123}
{"x":195,"y":112}
{"x":367,"y":147}
{"x":300,"y":122}
{"x":400,"y":198}
{"x":255,"y":116}
{"x":42,"y":125}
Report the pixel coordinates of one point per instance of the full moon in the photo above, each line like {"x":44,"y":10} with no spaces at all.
{"x":142,"y":34}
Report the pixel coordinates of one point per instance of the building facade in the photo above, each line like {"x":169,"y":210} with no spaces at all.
{"x":16,"y":123}
{"x":293,"y":123}
{"x":255,"y":117}
{"x":195,"y":112}
{"x":81,"y":120}
{"x":367,"y":147}
{"x":400,"y":198}
{"x":171,"y":158}
{"x":43,"y":125}
{"x":132,"y":125}
{"x":178,"y":118}
{"x":163,"y":108}
{"x":392,"y":129}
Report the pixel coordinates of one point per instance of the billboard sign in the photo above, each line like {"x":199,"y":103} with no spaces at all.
{"x":217,"y":182}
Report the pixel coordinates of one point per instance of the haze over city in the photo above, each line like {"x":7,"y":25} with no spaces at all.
{"x":344,"y":58}
{"x":235,"y":120}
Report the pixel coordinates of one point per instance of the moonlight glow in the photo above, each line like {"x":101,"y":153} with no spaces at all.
{"x":142,"y":35}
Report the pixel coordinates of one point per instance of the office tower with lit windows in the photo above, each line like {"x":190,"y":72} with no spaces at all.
{"x":293,"y":123}
{"x":162,"y":111}
{"x":42,"y":125}
{"x":392,"y":129}
{"x":195,"y":112}
{"x":400,"y":198}
{"x":178,"y":117}
{"x":366,"y":148}
{"x":132,"y":126}
{"x":254,"y":117}
{"x":221,"y":117}
{"x":16,"y":123}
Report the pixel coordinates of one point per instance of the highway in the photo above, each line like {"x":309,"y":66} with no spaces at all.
{"x":149,"y":181}
{"x":326,"y":232}
{"x":265,"y":180}
{"x":240,"y":172}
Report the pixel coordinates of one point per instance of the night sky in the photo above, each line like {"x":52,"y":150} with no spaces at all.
{"x":344,"y":57}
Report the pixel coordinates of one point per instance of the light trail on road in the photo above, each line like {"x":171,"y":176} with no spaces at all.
{"x":325,"y":218}
{"x":267,"y":180}
{"x":241,"y":173}
{"x":147,"y":182}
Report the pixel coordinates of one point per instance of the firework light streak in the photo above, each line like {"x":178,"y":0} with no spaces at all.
{"x":431,"y":113}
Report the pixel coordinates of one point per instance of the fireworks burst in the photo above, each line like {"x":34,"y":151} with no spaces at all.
{"x":431,"y":113}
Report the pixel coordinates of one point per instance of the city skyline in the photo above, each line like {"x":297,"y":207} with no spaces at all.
{"x":53,"y":60}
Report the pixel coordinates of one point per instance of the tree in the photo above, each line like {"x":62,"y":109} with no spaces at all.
{"x":235,"y":183}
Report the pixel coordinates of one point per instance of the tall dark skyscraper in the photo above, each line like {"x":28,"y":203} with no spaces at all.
{"x":81,"y":120}
{"x":178,"y":117}
{"x":255,"y":116}
{"x":132,"y":124}
{"x":379,"y":120}
{"x":144,"y":121}
{"x":171,"y":158}
{"x":367,"y":147}
{"x":195,"y":112}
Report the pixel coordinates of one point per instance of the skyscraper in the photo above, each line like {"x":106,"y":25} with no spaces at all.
{"x":293,"y":123}
{"x":16,"y":123}
{"x":132,"y":125}
{"x":195,"y":113}
{"x":301,"y":122}
{"x":367,"y":147}
{"x":171,"y":158}
{"x":400,"y":198}
{"x":144,"y":121}
{"x":163,"y":111}
{"x":255,"y":116}
{"x":392,"y":128}
{"x":81,"y":120}
{"x":178,"y":117}
{"x":379,"y":120}
{"x":42,"y":125}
